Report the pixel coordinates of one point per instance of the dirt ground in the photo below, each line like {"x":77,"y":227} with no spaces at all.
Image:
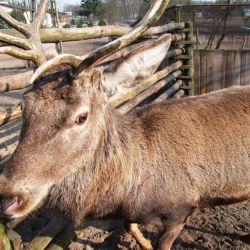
{"x":217,"y":228}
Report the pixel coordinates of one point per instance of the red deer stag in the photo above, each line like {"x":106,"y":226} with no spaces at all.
{"x":164,"y":160}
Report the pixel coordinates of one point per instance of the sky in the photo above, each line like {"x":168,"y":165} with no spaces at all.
{"x":61,"y":3}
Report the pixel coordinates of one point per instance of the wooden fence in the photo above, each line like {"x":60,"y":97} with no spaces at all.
{"x":217,"y":69}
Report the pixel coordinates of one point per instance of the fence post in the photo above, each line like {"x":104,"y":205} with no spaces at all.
{"x":190,"y":63}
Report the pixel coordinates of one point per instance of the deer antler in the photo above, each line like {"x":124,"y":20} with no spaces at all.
{"x":94,"y":57}
{"x":31,"y":47}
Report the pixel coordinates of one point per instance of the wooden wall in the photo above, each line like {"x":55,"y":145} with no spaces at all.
{"x":217,"y":69}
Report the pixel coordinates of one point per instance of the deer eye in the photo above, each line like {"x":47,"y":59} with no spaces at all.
{"x":81,"y":119}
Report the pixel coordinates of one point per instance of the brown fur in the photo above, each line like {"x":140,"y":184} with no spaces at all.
{"x":164,"y":160}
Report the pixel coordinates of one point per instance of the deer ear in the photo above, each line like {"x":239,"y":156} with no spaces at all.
{"x":139,"y":63}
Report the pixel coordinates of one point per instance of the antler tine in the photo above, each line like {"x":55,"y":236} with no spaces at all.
{"x":69,"y":59}
{"x":94,"y":57}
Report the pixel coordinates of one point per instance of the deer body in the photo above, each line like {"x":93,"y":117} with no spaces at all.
{"x":166,"y":160}
{"x":163,"y":160}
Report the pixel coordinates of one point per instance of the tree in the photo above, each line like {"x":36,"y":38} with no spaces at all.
{"x":72,"y":21}
{"x":89,"y":7}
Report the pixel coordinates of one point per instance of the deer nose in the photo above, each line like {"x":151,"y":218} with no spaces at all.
{"x":9,"y":206}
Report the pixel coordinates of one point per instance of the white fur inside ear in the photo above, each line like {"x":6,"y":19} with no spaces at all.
{"x":140,"y":63}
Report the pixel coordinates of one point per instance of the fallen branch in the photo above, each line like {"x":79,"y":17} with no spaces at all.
{"x":144,"y":84}
{"x":77,"y":34}
{"x":15,"y":82}
{"x":150,"y":91}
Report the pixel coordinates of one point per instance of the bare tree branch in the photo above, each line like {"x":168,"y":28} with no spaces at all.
{"x":12,"y":40}
{"x":18,"y":53}
{"x":31,"y":32}
{"x":21,"y":27}
{"x":40,"y":13}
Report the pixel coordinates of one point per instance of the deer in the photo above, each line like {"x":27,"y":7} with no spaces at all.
{"x":82,"y":157}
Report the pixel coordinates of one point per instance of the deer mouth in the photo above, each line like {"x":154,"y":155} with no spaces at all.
{"x":10,"y":206}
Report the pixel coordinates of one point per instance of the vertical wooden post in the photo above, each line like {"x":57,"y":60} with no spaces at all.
{"x":189,"y":52}
{"x":177,"y":14}
{"x":197,"y":38}
{"x":55,"y":19}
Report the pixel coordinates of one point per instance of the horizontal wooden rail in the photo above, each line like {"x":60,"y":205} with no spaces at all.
{"x":77,"y":34}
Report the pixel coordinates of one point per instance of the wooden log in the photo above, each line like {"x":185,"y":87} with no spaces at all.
{"x":10,"y":114}
{"x":77,"y":34}
{"x":179,"y":94}
{"x":169,"y":92}
{"x":144,"y":84}
{"x":41,"y":241}
{"x":14,"y":82}
{"x":150,"y":91}
{"x":62,"y":240}
{"x":4,"y":240}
